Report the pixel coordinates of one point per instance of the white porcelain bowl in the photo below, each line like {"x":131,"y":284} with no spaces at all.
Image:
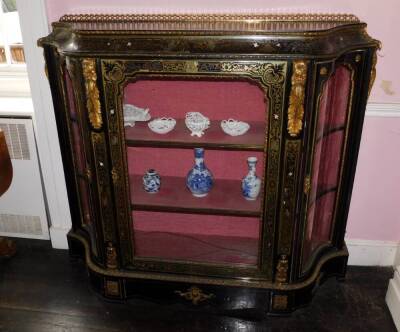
{"x":197,"y":123}
{"x":234,"y":127}
{"x":162,"y":125}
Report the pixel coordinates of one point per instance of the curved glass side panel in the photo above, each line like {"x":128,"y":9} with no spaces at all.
{"x":80,"y":162}
{"x":329,"y":142}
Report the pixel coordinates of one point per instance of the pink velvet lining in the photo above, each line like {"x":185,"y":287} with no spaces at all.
{"x":205,"y":238}
{"x":217,"y":100}
{"x":185,"y":223}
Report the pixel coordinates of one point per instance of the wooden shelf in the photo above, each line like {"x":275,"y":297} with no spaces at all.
{"x":213,"y":138}
{"x":225,"y":198}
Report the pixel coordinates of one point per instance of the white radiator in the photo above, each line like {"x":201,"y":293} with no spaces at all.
{"x":22,"y":207}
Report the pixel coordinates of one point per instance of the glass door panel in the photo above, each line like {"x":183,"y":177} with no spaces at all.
{"x":172,"y":224}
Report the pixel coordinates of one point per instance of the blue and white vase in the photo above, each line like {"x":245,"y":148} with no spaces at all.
{"x":251,"y":184}
{"x":151,"y":182}
{"x":199,"y":180}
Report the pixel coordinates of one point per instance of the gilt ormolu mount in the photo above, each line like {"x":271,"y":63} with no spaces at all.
{"x":302,"y":81}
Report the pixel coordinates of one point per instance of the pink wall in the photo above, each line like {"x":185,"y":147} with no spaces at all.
{"x":374,"y":210}
{"x":381,"y":16}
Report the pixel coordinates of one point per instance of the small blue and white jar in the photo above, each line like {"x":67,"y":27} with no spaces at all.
{"x":151,"y":182}
{"x":199,"y":180}
{"x":251,"y":184}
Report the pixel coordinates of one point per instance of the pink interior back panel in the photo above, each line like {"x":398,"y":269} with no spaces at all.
{"x":327,"y":160}
{"x":191,"y":237}
{"x":218,"y":100}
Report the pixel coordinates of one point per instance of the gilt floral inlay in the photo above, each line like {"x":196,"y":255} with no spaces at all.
{"x":296,"y":100}
{"x":92,"y":93}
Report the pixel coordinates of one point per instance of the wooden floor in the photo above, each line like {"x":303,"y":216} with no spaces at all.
{"x":41,"y":290}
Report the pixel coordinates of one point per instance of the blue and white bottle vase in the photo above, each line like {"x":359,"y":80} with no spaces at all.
{"x":199,"y":179}
{"x":151,"y":181}
{"x":251,"y":184}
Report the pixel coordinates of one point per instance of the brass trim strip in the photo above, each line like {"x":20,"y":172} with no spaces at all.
{"x":295,"y":17}
{"x":204,"y":280}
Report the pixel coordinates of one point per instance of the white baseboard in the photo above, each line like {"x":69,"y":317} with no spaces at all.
{"x":372,"y":253}
{"x":59,"y":237}
{"x":393,"y":298}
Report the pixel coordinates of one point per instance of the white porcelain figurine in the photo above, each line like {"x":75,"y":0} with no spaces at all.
{"x":133,"y":113}
{"x":197,"y":123}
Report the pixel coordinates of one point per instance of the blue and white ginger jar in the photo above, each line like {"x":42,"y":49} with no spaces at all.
{"x":199,"y":180}
{"x":251,"y":184}
{"x":151,"y":181}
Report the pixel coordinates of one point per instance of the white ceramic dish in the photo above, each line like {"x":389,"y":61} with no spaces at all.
{"x":197,"y":123}
{"x":133,"y":113}
{"x":162,"y":125}
{"x":234,"y":127}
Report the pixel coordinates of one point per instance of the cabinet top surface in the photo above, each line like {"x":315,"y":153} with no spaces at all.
{"x":267,"y":23}
{"x":209,"y":35}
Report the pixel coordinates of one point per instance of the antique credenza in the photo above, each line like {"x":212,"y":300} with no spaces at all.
{"x":300,"y":81}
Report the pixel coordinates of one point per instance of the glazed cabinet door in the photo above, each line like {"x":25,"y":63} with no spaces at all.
{"x":338,"y":111}
{"x":167,"y":222}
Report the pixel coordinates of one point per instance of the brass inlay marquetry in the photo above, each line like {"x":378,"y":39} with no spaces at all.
{"x":296,"y":99}
{"x":280,"y":302}
{"x":89,"y":174}
{"x":114,"y":175}
{"x":111,"y":256}
{"x":112,"y":288}
{"x":102,"y":174}
{"x":307,"y":184}
{"x":195,"y":295}
{"x":92,"y":93}
{"x":282,"y":268}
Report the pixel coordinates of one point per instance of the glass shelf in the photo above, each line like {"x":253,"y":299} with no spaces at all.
{"x":174,"y":196}
{"x":213,"y":138}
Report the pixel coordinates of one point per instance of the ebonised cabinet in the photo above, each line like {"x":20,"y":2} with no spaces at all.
{"x":300,"y":81}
